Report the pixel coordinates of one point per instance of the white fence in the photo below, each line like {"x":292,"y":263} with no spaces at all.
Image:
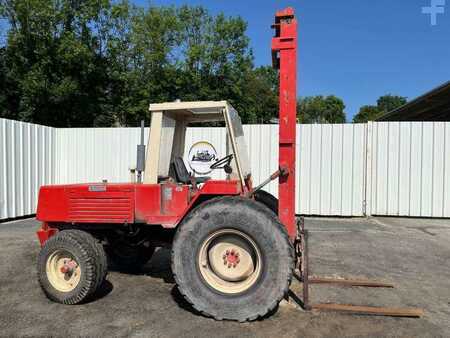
{"x":91,"y":154}
{"x":26,"y":163}
{"x":386,"y":168}
{"x":409,"y":169}
{"x":331,"y":172}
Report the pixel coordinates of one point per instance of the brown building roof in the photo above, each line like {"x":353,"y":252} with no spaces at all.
{"x":432,"y":106}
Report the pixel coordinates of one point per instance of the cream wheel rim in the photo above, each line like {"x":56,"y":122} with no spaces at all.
{"x":63,"y":271}
{"x":229,"y":261}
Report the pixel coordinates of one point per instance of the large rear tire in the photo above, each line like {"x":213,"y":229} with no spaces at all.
{"x":268,"y":200}
{"x":232,"y":259}
{"x":71,"y":266}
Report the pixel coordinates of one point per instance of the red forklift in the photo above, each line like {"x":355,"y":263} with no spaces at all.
{"x":233,"y":245}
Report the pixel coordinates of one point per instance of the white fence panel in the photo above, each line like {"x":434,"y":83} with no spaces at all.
{"x":26,"y":163}
{"x":87,"y":155}
{"x":396,"y":168}
{"x":410,"y":169}
{"x":331,"y":169}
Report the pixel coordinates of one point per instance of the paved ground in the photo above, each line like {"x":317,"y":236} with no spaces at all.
{"x":414,"y":254}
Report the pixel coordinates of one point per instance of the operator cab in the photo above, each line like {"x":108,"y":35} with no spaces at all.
{"x":166,"y":143}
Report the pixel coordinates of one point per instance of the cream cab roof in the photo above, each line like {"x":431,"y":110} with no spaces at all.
{"x":192,"y":110}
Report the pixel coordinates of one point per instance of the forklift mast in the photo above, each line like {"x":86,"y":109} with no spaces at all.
{"x":284,"y":58}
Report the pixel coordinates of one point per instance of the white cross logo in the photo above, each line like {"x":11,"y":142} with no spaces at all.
{"x":436,"y":7}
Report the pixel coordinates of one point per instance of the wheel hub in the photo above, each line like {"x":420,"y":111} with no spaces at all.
{"x":63,"y":271}
{"x":231,"y":258}
{"x":69,"y":267}
{"x":229,"y":261}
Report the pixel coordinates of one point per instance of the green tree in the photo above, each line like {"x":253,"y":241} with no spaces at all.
{"x":96,"y":63}
{"x":259,"y":97}
{"x":54,"y":50}
{"x":385,"y":104}
{"x":321,"y":109}
{"x":8,"y":90}
{"x":218,"y":61}
{"x":390,"y":102}
{"x":366,"y":113}
{"x":140,"y":65}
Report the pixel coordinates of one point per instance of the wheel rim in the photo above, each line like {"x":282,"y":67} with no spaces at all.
{"x":63,"y":271}
{"x":229,"y":261}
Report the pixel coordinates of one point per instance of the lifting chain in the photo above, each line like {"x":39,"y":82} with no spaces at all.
{"x":299,"y":246}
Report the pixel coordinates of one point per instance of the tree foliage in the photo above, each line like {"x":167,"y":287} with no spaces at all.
{"x":321,"y":109}
{"x":385,"y":104}
{"x":366,"y":113}
{"x":72,"y":63}
{"x":390,"y":102}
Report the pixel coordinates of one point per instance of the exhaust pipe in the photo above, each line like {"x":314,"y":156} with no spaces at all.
{"x":140,"y":161}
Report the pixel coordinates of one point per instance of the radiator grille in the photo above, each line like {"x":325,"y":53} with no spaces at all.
{"x":95,"y":209}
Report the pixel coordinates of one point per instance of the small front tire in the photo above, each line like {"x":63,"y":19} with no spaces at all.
{"x":71,"y":266}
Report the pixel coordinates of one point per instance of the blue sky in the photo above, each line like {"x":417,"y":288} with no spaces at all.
{"x":355,"y":49}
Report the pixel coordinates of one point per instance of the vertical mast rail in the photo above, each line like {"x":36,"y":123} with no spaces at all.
{"x":284,"y":56}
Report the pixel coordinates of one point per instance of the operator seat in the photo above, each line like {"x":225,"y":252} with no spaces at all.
{"x":179,"y":172}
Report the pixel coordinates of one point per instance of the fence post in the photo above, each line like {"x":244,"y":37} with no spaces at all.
{"x":367,"y":208}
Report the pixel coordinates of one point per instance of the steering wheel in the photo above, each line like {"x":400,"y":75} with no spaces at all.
{"x":223,"y":163}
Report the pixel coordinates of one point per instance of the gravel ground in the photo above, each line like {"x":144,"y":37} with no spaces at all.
{"x":412,"y":253}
